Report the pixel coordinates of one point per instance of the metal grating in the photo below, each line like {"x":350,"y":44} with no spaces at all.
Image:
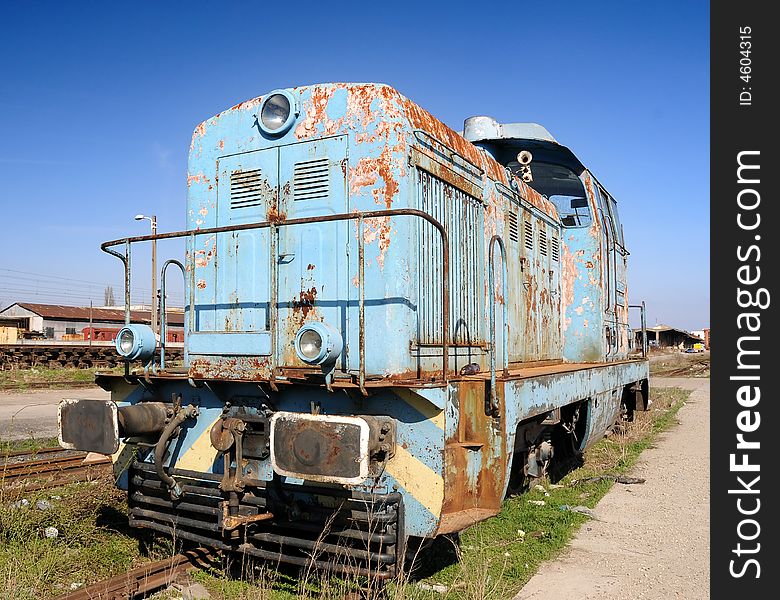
{"x":461,"y":215}
{"x":513,"y":230}
{"x":246,"y":189}
{"x":311,"y":179}
{"x":528,"y":235}
{"x":555,"y":251}
{"x":542,"y":239}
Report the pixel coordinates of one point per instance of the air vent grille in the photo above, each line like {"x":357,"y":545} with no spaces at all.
{"x":556,"y":249}
{"x":542,"y":241}
{"x":461,"y":215}
{"x":311,"y":179}
{"x":246,"y":189}
{"x":513,"y":231}
{"x":528,"y":234}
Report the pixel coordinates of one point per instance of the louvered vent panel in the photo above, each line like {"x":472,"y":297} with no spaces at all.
{"x":460,"y":214}
{"x":513,"y":231}
{"x":542,"y":240}
{"x":310,"y":179}
{"x":246,"y":189}
{"x":528,"y":233}
{"x":556,"y":249}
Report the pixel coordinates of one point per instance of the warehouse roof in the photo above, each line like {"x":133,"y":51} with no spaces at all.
{"x":662,"y":328}
{"x":82,"y":313}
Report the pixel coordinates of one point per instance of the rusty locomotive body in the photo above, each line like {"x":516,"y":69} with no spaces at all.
{"x":389,"y":326}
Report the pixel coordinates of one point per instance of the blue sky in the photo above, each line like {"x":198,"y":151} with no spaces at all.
{"x":98,"y":102}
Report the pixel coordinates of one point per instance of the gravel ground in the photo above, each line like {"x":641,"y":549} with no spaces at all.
{"x":33,"y":413}
{"x":649,"y":541}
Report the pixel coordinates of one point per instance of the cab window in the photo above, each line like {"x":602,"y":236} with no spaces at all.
{"x":561,"y":186}
{"x":609,"y":206}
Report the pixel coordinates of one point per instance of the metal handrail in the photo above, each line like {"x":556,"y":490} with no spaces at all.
{"x":163,"y":314}
{"x":643,"y":320}
{"x":491,"y":248}
{"x":273,"y":225}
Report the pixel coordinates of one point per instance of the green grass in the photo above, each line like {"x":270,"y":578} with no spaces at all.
{"x":27,"y":445}
{"x":94,"y":540}
{"x":27,"y":378}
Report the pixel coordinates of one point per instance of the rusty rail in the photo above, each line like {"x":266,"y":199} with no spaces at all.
{"x":38,"y":452}
{"x":273,"y":225}
{"x":55,"y":470}
{"x":142,"y":580}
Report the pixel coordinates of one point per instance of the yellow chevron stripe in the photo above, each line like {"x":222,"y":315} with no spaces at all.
{"x":200,"y":456}
{"x":122,"y":458}
{"x":422,"y":406}
{"x":418,"y":479}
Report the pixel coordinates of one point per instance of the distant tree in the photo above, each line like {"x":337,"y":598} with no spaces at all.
{"x":108,"y":296}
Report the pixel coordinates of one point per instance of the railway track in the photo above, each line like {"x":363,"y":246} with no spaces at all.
{"x":138,"y":582}
{"x":46,"y":385}
{"x":48,"y":467}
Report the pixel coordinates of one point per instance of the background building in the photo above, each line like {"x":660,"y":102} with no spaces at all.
{"x":664,"y":336}
{"x":72,"y":323}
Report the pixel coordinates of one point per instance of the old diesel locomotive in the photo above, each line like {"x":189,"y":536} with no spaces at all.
{"x":389,"y":325}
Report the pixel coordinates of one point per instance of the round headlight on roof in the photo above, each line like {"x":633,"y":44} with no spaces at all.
{"x":278,"y":112}
{"x":318,"y":344}
{"x":136,"y":342}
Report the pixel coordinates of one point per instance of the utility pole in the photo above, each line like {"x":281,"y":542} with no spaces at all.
{"x":153,"y":220}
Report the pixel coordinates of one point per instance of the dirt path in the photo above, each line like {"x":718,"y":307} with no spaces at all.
{"x":33,"y":413}
{"x":649,"y":541}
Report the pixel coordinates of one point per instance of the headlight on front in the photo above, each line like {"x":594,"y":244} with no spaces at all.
{"x":124,"y":342}
{"x":136,"y":342}
{"x":278,"y":112}
{"x":318,"y":344}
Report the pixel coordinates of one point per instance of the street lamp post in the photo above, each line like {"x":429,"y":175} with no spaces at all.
{"x":153,"y":221}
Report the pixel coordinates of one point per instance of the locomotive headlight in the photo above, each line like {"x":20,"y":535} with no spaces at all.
{"x":124,"y":343}
{"x":310,"y":344}
{"x":136,"y":342}
{"x":318,"y":344}
{"x":278,"y":112}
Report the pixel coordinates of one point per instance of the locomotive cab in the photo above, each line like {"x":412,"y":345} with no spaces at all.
{"x":592,"y":233}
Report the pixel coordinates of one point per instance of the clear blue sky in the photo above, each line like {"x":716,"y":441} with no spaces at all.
{"x":98,"y":102}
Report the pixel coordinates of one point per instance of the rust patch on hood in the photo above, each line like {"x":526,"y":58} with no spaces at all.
{"x":305,"y":302}
{"x":316,"y":109}
{"x":422,"y":119}
{"x":243,"y":368}
{"x":274,"y":215}
{"x":197,"y":178}
{"x":203,"y":257}
{"x":366,"y":173}
{"x":380,"y":229}
{"x":199,"y":132}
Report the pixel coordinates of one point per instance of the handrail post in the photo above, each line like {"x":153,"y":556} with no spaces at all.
{"x":191,"y":265}
{"x":361,"y":307}
{"x":643,"y":322}
{"x":505,"y":343}
{"x":272,"y":309}
{"x":163,"y":307}
{"x":445,"y":300}
{"x":127,"y":281}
